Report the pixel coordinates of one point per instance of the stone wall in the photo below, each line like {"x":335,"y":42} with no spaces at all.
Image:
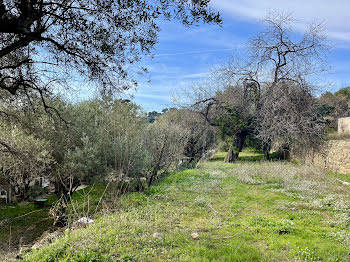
{"x":333,"y":155}
{"x":344,"y":125}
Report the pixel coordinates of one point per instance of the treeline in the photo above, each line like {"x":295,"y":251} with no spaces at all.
{"x":334,"y":105}
{"x":94,"y":141}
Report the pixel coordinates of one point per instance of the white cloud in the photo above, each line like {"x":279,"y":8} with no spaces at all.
{"x":334,"y":13}
{"x":197,"y":75}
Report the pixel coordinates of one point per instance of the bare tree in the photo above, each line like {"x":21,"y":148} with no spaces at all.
{"x":288,"y":115}
{"x":273,"y":73}
{"x":284,"y":63}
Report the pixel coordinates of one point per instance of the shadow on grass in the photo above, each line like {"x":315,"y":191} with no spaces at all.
{"x":217,"y":158}
{"x":258,"y":156}
{"x":23,"y":223}
{"x":253,"y":158}
{"x":248,"y":155}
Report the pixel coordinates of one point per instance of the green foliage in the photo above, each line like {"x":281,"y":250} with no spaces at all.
{"x":165,"y":140}
{"x":23,"y":159}
{"x":96,"y":140}
{"x":198,"y":135}
{"x":345,"y":91}
{"x":225,"y":144}
{"x":334,"y":105}
{"x":98,"y":40}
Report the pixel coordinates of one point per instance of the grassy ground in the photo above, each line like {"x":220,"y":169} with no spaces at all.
{"x":336,"y":136}
{"x":21,"y":224}
{"x":247,"y":211}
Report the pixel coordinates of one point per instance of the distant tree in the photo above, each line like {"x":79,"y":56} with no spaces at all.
{"x":164,"y":110}
{"x":43,"y":42}
{"x":336,"y":104}
{"x":152,"y":116}
{"x":345,"y":91}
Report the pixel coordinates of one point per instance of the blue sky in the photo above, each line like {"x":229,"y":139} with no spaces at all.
{"x":187,"y":54}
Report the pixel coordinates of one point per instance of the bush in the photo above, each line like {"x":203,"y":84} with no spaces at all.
{"x":23,"y":159}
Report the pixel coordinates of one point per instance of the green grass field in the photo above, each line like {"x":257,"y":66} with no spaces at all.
{"x":21,"y":224}
{"x":247,"y":211}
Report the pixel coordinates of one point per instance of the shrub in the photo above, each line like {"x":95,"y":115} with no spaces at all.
{"x":23,"y":159}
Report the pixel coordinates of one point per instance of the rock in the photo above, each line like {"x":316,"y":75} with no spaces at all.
{"x":158,"y":236}
{"x":195,"y":236}
{"x":85,"y":220}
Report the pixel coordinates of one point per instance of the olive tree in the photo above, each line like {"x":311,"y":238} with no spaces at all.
{"x":165,"y":140}
{"x":43,"y":43}
{"x":23,"y":159}
{"x":289,"y":116}
{"x":201,"y":135}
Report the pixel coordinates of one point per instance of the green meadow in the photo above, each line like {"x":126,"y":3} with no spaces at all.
{"x":252,"y":210}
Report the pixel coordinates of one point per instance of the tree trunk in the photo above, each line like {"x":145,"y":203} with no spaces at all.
{"x":286,"y":152}
{"x":153,"y":175}
{"x":231,"y":156}
{"x":267,"y":151}
{"x":239,"y":141}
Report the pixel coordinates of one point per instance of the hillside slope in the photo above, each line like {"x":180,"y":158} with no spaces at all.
{"x":248,"y":211}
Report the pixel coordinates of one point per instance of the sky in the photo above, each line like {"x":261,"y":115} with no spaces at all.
{"x":185,"y":55}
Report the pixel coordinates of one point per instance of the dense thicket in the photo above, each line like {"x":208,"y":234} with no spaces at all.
{"x":100,"y":140}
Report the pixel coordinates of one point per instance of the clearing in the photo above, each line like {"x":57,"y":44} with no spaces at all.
{"x":247,"y":211}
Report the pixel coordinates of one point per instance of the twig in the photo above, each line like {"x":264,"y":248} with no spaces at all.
{"x":102,"y":196}
{"x":211,"y":207}
{"x":227,"y":237}
{"x":26,"y":214}
{"x":10,"y":240}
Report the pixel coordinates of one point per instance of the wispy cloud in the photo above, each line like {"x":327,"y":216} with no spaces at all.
{"x":188,"y":54}
{"x":197,"y":75}
{"x":194,"y":52}
{"x":334,"y":13}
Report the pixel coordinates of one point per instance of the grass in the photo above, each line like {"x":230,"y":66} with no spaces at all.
{"x":247,"y":211}
{"x":336,"y":136}
{"x":248,"y":154}
{"x":21,"y":224}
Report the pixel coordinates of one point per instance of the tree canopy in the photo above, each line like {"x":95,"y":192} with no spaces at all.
{"x":43,"y":43}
